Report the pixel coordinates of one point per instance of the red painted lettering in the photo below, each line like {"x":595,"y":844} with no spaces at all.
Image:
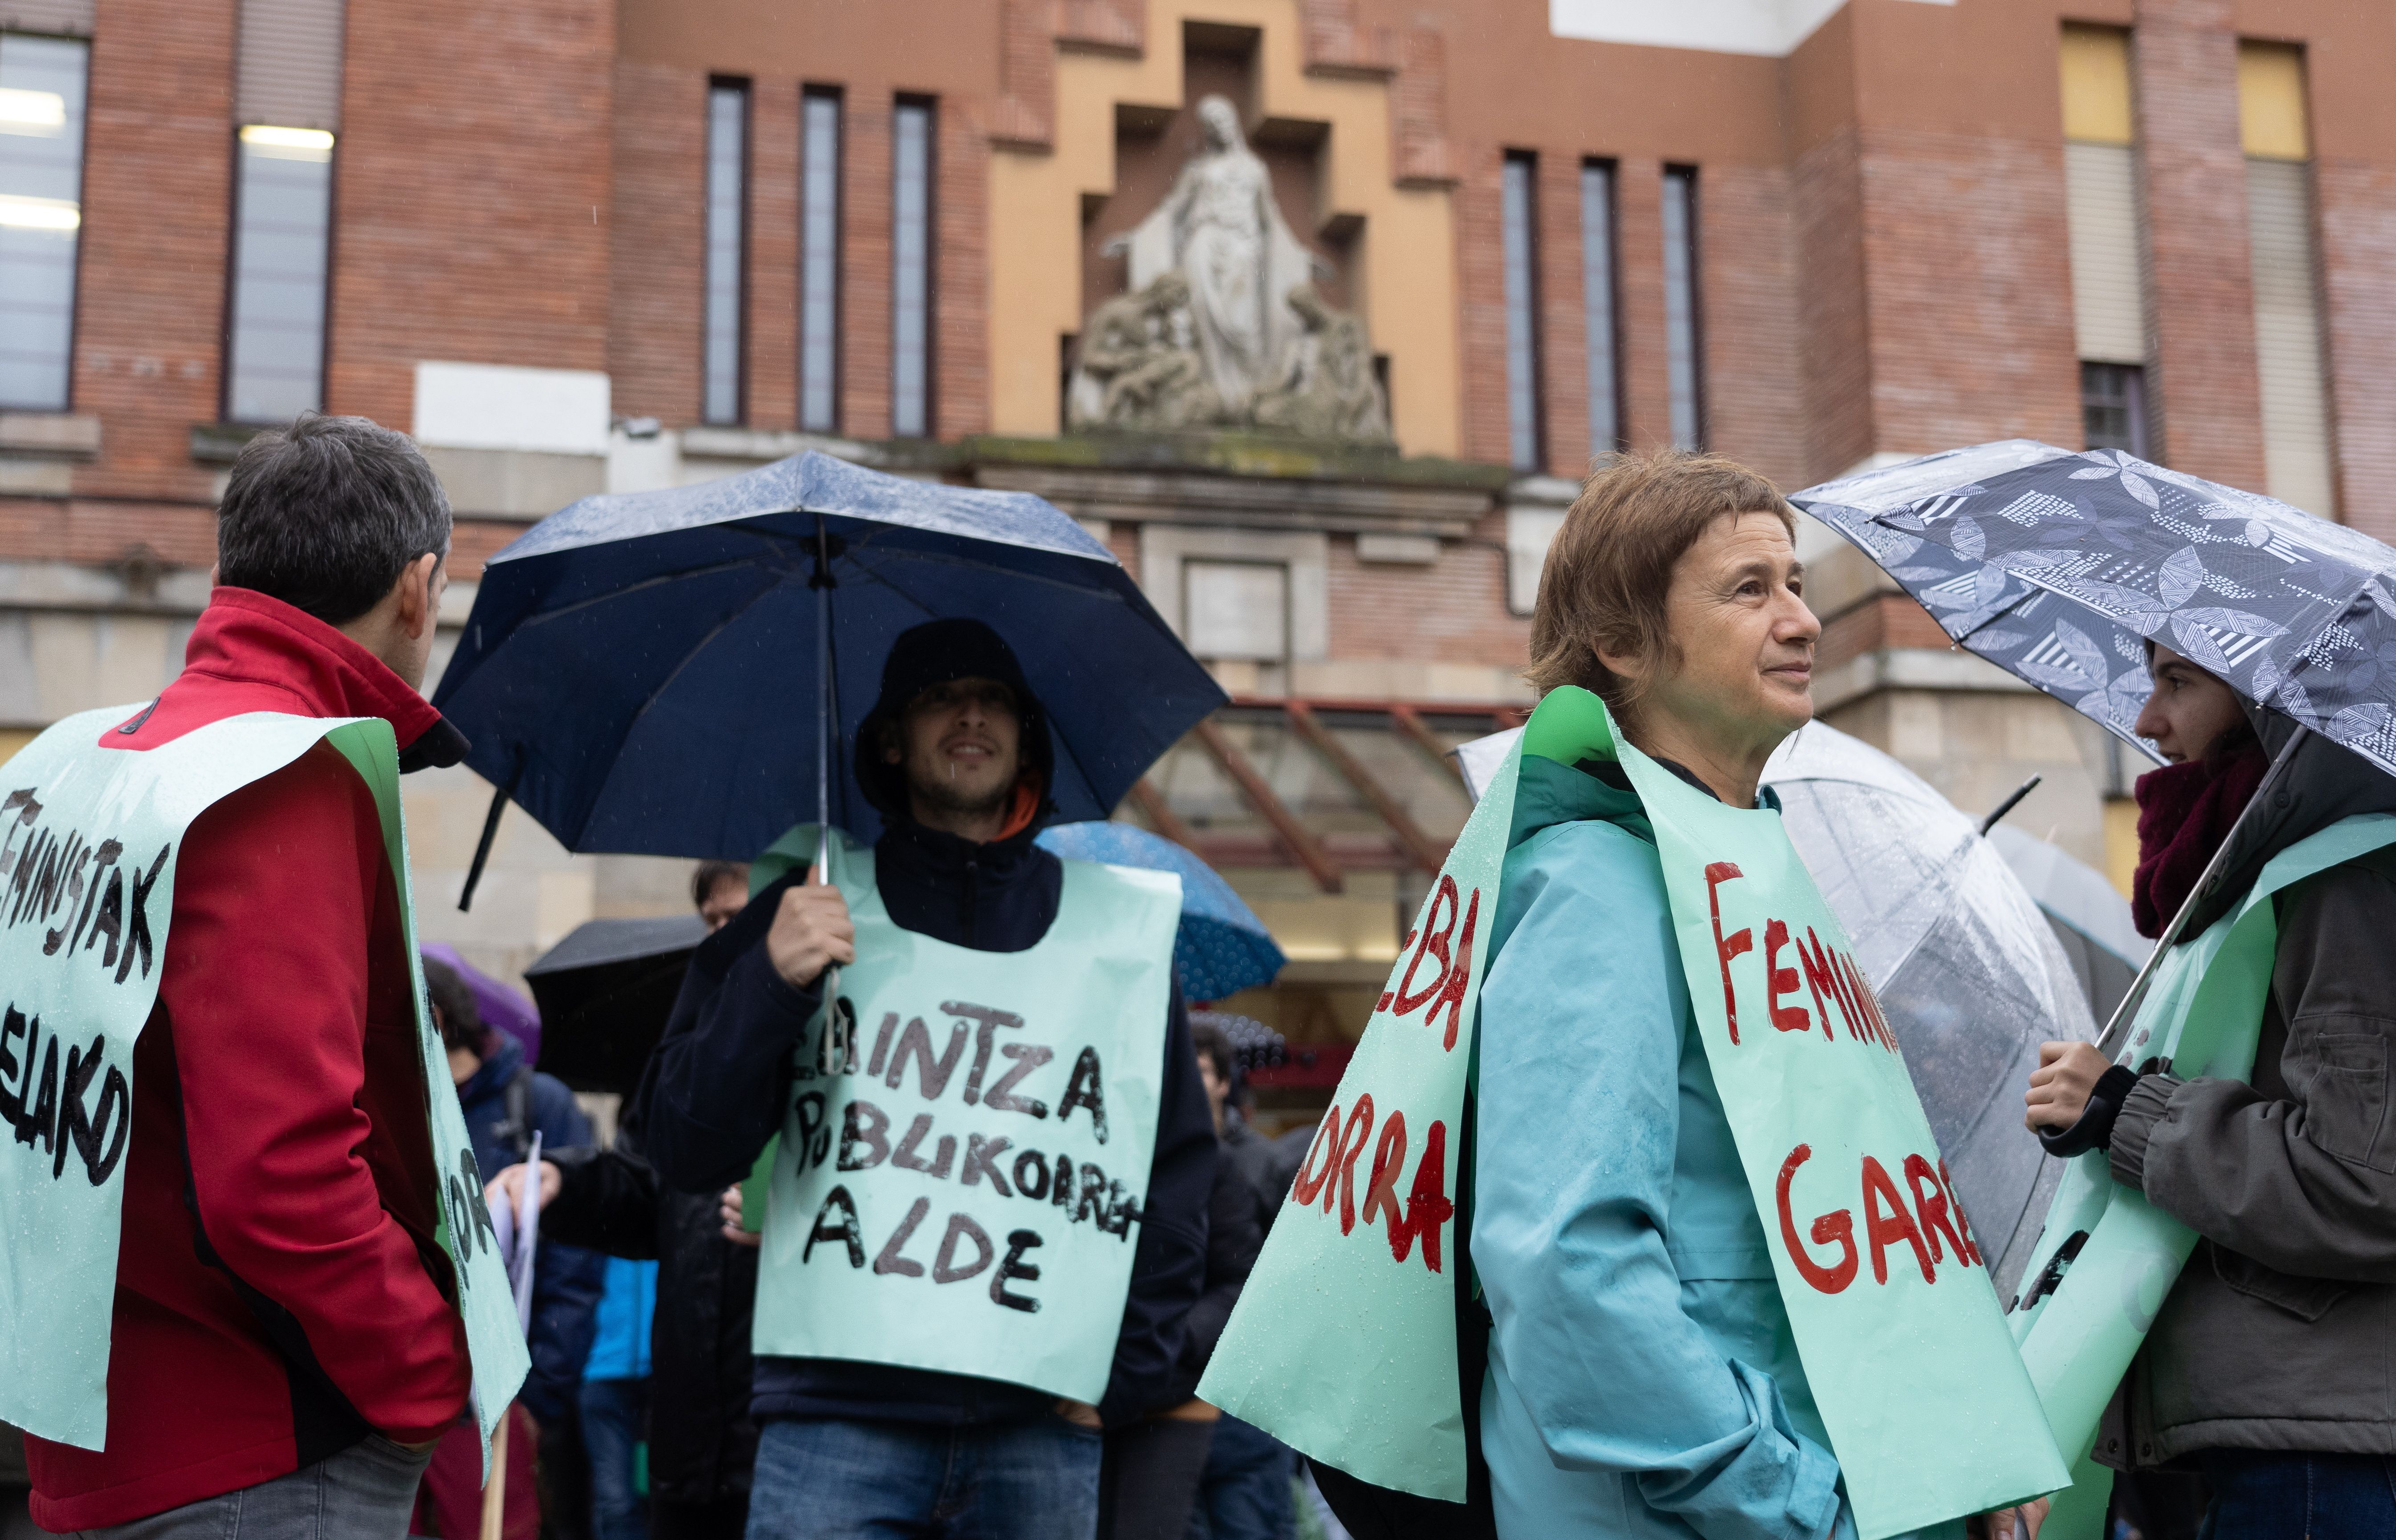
{"x":1779,"y":981}
{"x":1427,"y":1205}
{"x":1381,"y":1192}
{"x":1343,"y":1160}
{"x":1963,"y":1220}
{"x":1305,"y":1187}
{"x":1876,"y":1024}
{"x":1819,"y":976}
{"x":1888,"y":1219}
{"x":1933,"y":1204}
{"x":1431,"y":941}
{"x":1726,"y":947}
{"x":1458,"y":979}
{"x":1832,"y":1228}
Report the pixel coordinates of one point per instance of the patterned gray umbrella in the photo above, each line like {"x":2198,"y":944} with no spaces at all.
{"x":2058,"y":567}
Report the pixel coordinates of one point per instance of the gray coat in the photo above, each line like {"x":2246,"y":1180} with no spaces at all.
{"x":2281,"y":1332}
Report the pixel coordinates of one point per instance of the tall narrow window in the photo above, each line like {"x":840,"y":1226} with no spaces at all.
{"x":2298,"y":464}
{"x":2108,"y":281}
{"x":1519,"y":214}
{"x":820,"y":262}
{"x":728,"y":221}
{"x":282,"y":198}
{"x":1683,"y":335}
{"x":41,"y":215}
{"x":910,"y":271}
{"x":1598,"y":304}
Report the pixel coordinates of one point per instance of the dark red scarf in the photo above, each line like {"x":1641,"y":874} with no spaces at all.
{"x":2184,"y":811}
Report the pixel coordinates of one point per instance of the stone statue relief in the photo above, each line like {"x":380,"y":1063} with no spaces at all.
{"x":1222,"y":326}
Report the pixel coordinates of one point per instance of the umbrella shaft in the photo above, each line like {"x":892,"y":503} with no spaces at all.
{"x":2110,"y":1042}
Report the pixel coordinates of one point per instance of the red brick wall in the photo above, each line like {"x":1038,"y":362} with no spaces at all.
{"x":1884,"y":620}
{"x":151,"y":283}
{"x":658,"y":241}
{"x":961,"y":275}
{"x":1481,"y":304}
{"x":865,"y":263}
{"x":2184,"y":61}
{"x":1755,"y":412}
{"x":1968,"y":260}
{"x":2357,"y":204}
{"x":1639,"y":253}
{"x":1564,"y":317}
{"x":1832,"y":308}
{"x":1453,"y":612}
{"x":471,"y":200}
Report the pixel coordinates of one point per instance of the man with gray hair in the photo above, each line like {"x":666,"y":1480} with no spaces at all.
{"x":288,"y":1330}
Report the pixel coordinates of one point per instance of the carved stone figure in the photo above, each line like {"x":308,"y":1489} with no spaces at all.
{"x":1328,"y":390}
{"x":1213,"y":331}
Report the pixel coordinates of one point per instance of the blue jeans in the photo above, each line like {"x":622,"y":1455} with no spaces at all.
{"x":1243,"y":1494}
{"x":2263,"y":1495}
{"x":612,"y":1414}
{"x":837,"y":1480}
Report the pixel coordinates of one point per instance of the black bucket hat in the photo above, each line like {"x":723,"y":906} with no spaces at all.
{"x":935,"y":653}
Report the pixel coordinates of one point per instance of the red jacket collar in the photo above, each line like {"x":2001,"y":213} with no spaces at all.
{"x":250,"y":651}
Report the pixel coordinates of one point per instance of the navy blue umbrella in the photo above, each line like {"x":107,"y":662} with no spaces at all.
{"x":652,"y":672}
{"x":1221,"y":946}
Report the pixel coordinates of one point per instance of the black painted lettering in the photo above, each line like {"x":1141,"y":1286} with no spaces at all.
{"x":137,"y":933}
{"x":12,"y":1093}
{"x":1012,"y":1267}
{"x":116,"y":1095}
{"x":41,"y":1122}
{"x":74,"y":1130}
{"x":848,"y":1232}
{"x":104,"y":859}
{"x":861,"y":1122}
{"x":112,"y":919}
{"x":1061,"y":1192}
{"x":881,"y":1045}
{"x":1084,"y":1089}
{"x":1093,"y":1201}
{"x":988,"y":1020}
{"x":814,"y":1128}
{"x":889,"y":1260}
{"x":943,"y":1157}
{"x":931,"y":1075}
{"x":981,"y":1159}
{"x":1032,"y":1175}
{"x":1001,"y":1098}
{"x":961,"y":1228}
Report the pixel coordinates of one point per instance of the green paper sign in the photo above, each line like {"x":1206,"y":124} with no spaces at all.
{"x":88,"y":841}
{"x":2107,"y":1258}
{"x":1344,"y":1346}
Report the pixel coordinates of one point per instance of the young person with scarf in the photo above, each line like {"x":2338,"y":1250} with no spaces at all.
{"x":2266,"y":1368}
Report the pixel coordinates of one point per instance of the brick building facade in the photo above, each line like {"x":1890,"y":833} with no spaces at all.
{"x":577,"y":245}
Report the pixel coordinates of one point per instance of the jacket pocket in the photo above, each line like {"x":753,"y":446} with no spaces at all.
{"x":2305,"y":1298}
{"x":2346,"y":1102}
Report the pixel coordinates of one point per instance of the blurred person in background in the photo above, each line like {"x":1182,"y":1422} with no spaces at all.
{"x":1244,"y":1490}
{"x":701,"y":1442}
{"x":507,"y":1101}
{"x":615,"y":1402}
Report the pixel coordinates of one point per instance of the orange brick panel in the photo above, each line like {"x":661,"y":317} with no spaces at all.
{"x":1754,"y":402}
{"x":773,"y":352}
{"x":1453,"y":612}
{"x":1563,"y":316}
{"x":1884,"y":620}
{"x":660,"y":162}
{"x":959,"y":274}
{"x":865,"y":264}
{"x":1481,"y":300}
{"x":1647,"y":378}
{"x":1832,"y":311}
{"x":2358,"y":236}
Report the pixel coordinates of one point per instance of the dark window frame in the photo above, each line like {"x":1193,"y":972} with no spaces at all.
{"x":2130,"y":400}
{"x":839,"y":239}
{"x":83,"y":192}
{"x":1527,"y":442}
{"x":1693,"y":259}
{"x":740,"y":344}
{"x":929,"y":106}
{"x":227,"y":316}
{"x":1611,"y":171}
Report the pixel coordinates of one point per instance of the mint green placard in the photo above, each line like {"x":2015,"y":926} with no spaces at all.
{"x":1928,"y":1408}
{"x":88,"y":841}
{"x":2204,"y":1012}
{"x":961,"y":1190}
{"x":1343,"y":1342}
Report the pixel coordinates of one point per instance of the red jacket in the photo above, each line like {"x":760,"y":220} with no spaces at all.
{"x":279,"y":1290}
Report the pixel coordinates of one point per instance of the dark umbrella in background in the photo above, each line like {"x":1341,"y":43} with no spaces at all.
{"x":606,"y":991}
{"x":673,"y":672}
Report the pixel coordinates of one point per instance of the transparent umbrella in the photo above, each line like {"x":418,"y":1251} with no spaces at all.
{"x":1966,"y":966}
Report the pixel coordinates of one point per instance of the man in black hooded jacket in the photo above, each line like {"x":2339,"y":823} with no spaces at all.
{"x":955,"y":755}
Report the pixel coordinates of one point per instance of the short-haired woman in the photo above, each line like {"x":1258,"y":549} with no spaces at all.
{"x":1643,"y":1378}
